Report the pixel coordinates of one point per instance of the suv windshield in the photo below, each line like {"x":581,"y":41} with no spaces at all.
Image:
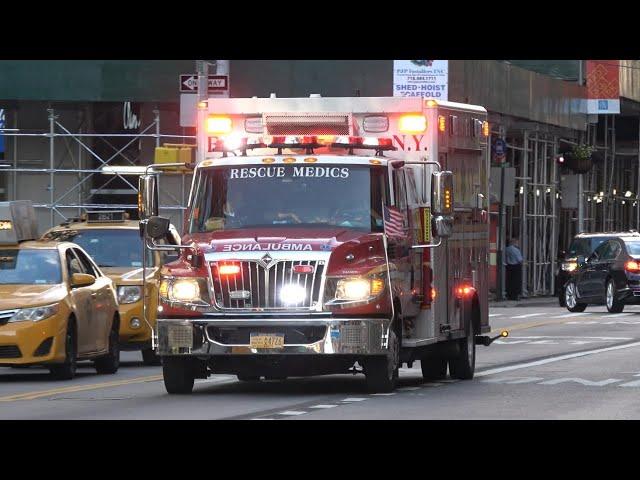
{"x":292,"y":195}
{"x":30,"y":267}
{"x":108,"y":247}
{"x":585,"y":246}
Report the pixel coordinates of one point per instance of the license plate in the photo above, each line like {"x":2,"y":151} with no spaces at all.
{"x":261,"y":340}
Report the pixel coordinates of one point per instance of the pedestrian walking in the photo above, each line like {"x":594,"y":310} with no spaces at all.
{"x":513,"y":262}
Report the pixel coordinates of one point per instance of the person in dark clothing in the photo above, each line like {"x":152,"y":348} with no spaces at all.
{"x":513,"y":262}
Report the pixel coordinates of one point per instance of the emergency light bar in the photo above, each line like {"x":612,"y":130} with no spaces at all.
{"x":234,"y":143}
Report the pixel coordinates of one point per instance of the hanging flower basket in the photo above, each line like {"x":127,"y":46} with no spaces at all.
{"x":580,"y":158}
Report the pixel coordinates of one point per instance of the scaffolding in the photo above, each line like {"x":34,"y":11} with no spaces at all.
{"x":60,"y":203}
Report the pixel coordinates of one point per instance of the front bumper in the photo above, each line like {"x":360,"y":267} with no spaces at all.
{"x":134,"y":337}
{"x":303,"y":336}
{"x":20,"y":341}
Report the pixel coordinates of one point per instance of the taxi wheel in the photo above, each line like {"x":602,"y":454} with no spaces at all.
{"x":178,"y":374}
{"x":150,"y":358}
{"x":110,"y":362}
{"x":67,"y":370}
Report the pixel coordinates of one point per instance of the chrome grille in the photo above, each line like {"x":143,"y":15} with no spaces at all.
{"x":5,"y":315}
{"x":257,"y":286}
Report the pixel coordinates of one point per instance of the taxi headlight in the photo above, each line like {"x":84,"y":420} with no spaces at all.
{"x":34,"y":314}
{"x":184,"y":290}
{"x":129,"y":293}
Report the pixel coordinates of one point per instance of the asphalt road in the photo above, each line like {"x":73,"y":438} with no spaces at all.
{"x":554,"y":365}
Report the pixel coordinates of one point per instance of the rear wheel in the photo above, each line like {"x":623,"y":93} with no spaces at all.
{"x":614,"y":305}
{"x":433,"y":368}
{"x":110,"y":363}
{"x":381,"y":372}
{"x":149,"y":357}
{"x":178,"y":374}
{"x":67,"y":370}
{"x":463,"y":365}
{"x":571,"y":298}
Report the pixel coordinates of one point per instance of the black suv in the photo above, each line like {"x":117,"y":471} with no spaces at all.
{"x":610,"y":275}
{"x":583,"y":244}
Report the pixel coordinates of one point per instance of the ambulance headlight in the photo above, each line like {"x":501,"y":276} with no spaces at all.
{"x":359,"y":289}
{"x":188,"y":290}
{"x":129,"y":293}
{"x":34,"y":314}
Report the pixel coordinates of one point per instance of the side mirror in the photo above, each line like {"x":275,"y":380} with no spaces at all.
{"x":442,"y":193}
{"x":82,"y":280}
{"x":157,"y":227}
{"x":148,"y":199}
{"x":581,"y":260}
{"x":442,"y":203}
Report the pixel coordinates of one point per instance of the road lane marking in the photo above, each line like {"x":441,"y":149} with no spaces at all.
{"x":635,"y":383}
{"x":78,"y":388}
{"x":558,"y":358}
{"x":571,"y":315}
{"x":496,"y":314}
{"x":323,"y":406}
{"x":527,"y":315}
{"x":292,"y":412}
{"x":581,"y":381}
{"x":354,"y":399}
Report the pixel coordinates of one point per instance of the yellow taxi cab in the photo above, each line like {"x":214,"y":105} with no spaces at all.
{"x":56,"y":306}
{"x":114,"y":243}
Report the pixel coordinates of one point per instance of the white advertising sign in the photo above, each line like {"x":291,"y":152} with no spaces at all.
{"x":421,"y":78}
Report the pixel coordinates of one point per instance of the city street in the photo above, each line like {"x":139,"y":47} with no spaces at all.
{"x":553,"y":365}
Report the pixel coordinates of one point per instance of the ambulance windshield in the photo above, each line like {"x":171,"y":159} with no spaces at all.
{"x":231,"y":197}
{"x":29,"y":267}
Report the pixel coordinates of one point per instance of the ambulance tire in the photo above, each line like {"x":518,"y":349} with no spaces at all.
{"x":67,"y":370}
{"x":150,"y":358}
{"x":433,"y":368}
{"x":110,"y":363}
{"x":463,"y":365}
{"x":178,"y":374}
{"x":381,"y":372}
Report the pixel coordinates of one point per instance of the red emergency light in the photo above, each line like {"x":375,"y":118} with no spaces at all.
{"x":303,"y":269}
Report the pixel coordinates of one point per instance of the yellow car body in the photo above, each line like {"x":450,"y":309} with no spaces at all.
{"x":124,"y":267}
{"x":90,"y":308}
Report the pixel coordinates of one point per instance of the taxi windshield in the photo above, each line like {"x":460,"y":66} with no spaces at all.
{"x":232,"y":197}
{"x":30,"y":267}
{"x":108,"y":247}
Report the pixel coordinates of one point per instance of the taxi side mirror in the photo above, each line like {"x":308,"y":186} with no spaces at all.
{"x":82,"y":280}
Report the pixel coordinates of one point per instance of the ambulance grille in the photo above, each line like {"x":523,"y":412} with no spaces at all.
{"x":307,"y":124}
{"x":10,"y":351}
{"x":260,"y":287}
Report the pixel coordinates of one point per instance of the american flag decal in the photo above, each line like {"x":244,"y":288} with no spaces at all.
{"x":393,"y":225}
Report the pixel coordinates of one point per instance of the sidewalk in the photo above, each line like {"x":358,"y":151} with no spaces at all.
{"x":525,"y":302}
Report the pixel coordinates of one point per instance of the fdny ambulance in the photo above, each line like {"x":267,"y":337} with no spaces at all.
{"x":324,"y":236}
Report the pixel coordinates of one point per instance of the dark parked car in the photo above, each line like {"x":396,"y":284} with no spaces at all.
{"x":609,"y":276}
{"x":583,"y":244}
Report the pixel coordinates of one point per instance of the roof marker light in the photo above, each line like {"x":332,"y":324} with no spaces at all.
{"x":289,"y":160}
{"x":412,"y":124}
{"x":485,"y":128}
{"x":442,"y":123}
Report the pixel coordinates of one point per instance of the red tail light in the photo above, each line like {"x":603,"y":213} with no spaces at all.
{"x":632,"y":266}
{"x":464,"y":291}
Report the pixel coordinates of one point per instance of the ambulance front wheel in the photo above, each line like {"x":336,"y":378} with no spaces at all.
{"x":381,"y":372}
{"x":178,"y":374}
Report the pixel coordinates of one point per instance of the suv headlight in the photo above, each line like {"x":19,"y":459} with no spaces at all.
{"x":129,"y":293}
{"x":34,"y":314}
{"x":357,"y":289}
{"x":569,"y":266}
{"x":187,"y":290}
